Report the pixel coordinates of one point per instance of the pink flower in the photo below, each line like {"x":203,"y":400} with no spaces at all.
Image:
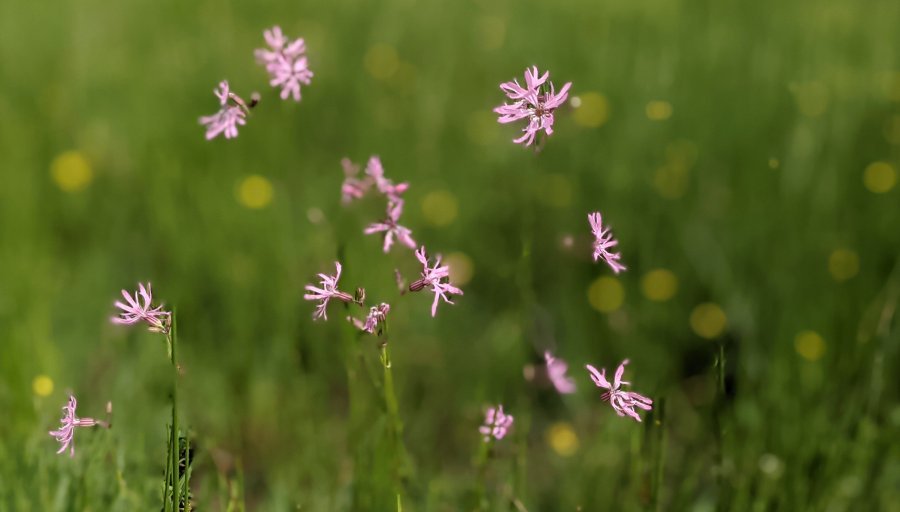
{"x":285,"y":62}
{"x":437,"y":278}
{"x":384,"y":185}
{"x":353,"y":187}
{"x":229,"y":116}
{"x":603,"y":242}
{"x":623,"y":402}
{"x":556,"y":371}
{"x":390,"y":228}
{"x":377,"y":316}
{"x":138,"y":308}
{"x":535,"y":102}
{"x":326,"y":292}
{"x":496,"y":424}
{"x":66,"y":433}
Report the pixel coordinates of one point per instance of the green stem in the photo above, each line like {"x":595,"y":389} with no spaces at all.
{"x":663,"y":438}
{"x":481,"y":463}
{"x":393,"y":410}
{"x":173,"y":448}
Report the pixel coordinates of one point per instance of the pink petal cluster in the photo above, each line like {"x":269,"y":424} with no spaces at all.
{"x":356,"y":188}
{"x":139,"y":309}
{"x":229,"y":116}
{"x":286,"y":62}
{"x":603,"y":242}
{"x":326,"y":292}
{"x":437,"y":277}
{"x":66,"y":433}
{"x":556,"y":372}
{"x":377,"y":316}
{"x":623,"y":402}
{"x":391,"y":228}
{"x":496,"y":424}
{"x":535,"y":102}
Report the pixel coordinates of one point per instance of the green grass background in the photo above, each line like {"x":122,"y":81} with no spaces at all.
{"x":777,"y":110}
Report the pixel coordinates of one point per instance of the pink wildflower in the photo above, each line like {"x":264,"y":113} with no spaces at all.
{"x":390,"y":228}
{"x":536,"y":102}
{"x":384,"y":185}
{"x":353,"y":187}
{"x":556,"y":371}
{"x":496,"y":424}
{"x":326,"y":292}
{"x":623,"y":402}
{"x":437,"y":278}
{"x":377,"y":316}
{"x":603,"y":241}
{"x":229,"y":116}
{"x":285,"y":62}
{"x":138,"y":308}
{"x":66,"y":433}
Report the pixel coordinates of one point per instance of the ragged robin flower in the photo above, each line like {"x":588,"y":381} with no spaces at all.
{"x":66,"y":433}
{"x":603,"y":242}
{"x":139,"y":309}
{"x":391,"y":228}
{"x":326,"y":292}
{"x":535,"y":102}
{"x":556,"y":372}
{"x":496,"y":424}
{"x":233,"y":113}
{"x":623,"y":402}
{"x":437,"y":277}
{"x":286,"y":62}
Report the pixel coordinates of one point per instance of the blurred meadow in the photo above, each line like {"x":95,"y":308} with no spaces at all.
{"x":746,"y":155}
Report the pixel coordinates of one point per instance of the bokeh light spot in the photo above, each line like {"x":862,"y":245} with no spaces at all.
{"x":592,"y":110}
{"x":659,"y":284}
{"x":71,"y":171}
{"x":554,"y":190}
{"x":255,"y":192}
{"x":461,"y":267}
{"x":42,"y":385}
{"x":658,"y":110}
{"x":440,"y":208}
{"x":606,"y":294}
{"x":381,"y":61}
{"x":809,"y":345}
{"x":708,"y":320}
{"x":811,"y":97}
{"x":880,"y":177}
{"x":774,"y":163}
{"x":562,"y":438}
{"x":671,"y":181}
{"x":843,"y":264}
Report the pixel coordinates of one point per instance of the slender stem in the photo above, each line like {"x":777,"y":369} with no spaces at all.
{"x":176,"y":487}
{"x":481,"y":463}
{"x":393,"y":410}
{"x":660,"y":452}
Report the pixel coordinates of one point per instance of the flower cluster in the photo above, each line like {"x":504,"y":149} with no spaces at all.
{"x":496,"y":424}
{"x":377,"y":317}
{"x":603,"y":242}
{"x":286,"y":62}
{"x":232,"y":112}
{"x":356,"y":188}
{"x":139,"y":309}
{"x":437,"y":277}
{"x":535,"y":102}
{"x":66,"y":433}
{"x":623,"y":402}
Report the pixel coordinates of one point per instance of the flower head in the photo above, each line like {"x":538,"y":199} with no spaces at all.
{"x":286,"y":62}
{"x":556,"y":371}
{"x":437,"y":277}
{"x":375,"y":170}
{"x":603,"y":242}
{"x":390,"y":228}
{"x":496,"y":424}
{"x":353,"y":187}
{"x":377,"y":316}
{"x":535,"y":102}
{"x":229,"y":116}
{"x":139,"y":308}
{"x":327,"y":291}
{"x":623,"y":402}
{"x":66,"y":433}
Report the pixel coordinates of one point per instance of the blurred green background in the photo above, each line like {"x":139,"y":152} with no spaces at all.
{"x":745,"y":153}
